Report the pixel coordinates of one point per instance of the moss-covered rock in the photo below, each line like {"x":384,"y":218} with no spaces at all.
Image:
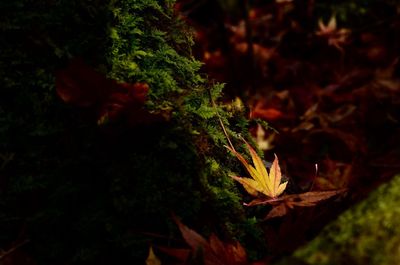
{"x":368,"y":233}
{"x":93,"y":194}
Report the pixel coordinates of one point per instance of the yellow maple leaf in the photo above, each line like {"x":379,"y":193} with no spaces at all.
{"x":261,"y":181}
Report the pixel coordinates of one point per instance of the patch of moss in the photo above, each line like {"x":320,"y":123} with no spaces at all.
{"x":368,"y":233}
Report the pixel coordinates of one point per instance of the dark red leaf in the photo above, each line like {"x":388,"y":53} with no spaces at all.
{"x":268,"y":114}
{"x":137,"y":92}
{"x":214,"y":252}
{"x":80,"y":85}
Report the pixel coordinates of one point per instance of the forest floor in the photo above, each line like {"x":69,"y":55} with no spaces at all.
{"x":327,"y":84}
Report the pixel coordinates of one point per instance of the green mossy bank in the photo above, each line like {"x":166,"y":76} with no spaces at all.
{"x":84,"y":193}
{"x":368,"y":233}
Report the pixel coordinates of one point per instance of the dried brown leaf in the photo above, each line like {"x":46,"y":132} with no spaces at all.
{"x":192,"y":238}
{"x":307,"y":199}
{"x":236,"y":254}
{"x":317,"y":196}
{"x":277,"y":211}
{"x":218,"y":247}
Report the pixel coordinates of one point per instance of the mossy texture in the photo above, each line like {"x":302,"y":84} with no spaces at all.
{"x":83,"y":193}
{"x":368,"y":233}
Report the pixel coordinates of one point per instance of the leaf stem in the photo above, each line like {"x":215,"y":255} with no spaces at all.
{"x":220,"y":121}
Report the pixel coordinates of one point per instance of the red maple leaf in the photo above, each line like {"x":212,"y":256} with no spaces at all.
{"x":80,"y":85}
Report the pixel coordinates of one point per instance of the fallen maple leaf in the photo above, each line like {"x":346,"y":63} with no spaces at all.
{"x":261,"y":182}
{"x":284,"y":203}
{"x":81,"y":85}
{"x":192,"y":238}
{"x":311,"y":198}
{"x":336,"y":37}
{"x":214,"y":251}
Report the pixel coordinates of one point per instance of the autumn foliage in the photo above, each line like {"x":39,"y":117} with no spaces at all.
{"x":209,"y":252}
{"x":112,"y":122}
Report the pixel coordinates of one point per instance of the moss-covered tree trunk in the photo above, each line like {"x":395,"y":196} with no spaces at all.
{"x":82,"y":185}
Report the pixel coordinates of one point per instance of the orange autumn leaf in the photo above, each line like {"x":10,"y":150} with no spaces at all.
{"x":269,"y":114}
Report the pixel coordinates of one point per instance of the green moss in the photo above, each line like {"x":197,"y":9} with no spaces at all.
{"x":87,"y":193}
{"x":368,"y":233}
